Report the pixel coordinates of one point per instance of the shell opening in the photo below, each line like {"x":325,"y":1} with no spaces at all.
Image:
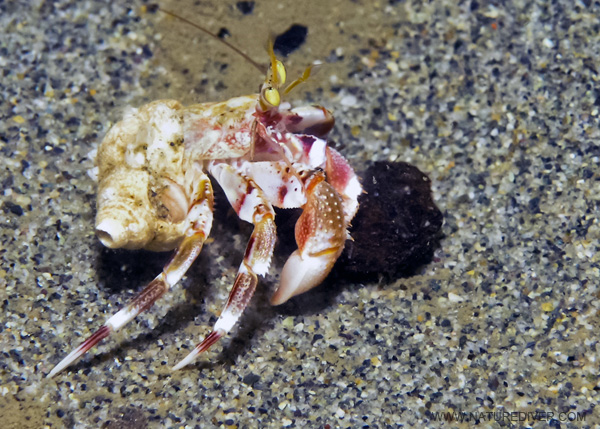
{"x":110,"y":233}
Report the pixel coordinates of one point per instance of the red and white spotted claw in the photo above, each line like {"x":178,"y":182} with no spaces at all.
{"x":320,"y":235}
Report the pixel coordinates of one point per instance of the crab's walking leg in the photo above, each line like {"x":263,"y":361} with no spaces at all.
{"x":200,"y":221}
{"x":320,"y":235}
{"x":251,"y":205}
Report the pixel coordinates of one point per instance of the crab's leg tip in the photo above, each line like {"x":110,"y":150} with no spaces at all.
{"x":58,"y":368}
{"x":185,"y":362}
{"x":212,"y":338}
{"x":98,"y":336}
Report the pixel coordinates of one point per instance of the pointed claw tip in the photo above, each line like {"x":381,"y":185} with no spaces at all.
{"x":179,"y":366}
{"x":53,"y":372}
{"x":212,"y":338}
{"x":186,"y":360}
{"x":64,"y":363}
{"x":94,"y":339}
{"x":300,"y":274}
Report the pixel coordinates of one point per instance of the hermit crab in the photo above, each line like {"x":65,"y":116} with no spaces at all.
{"x":154,"y":193}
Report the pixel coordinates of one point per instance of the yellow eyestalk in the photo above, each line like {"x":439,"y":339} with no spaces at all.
{"x":271,"y":96}
{"x":276,"y":76}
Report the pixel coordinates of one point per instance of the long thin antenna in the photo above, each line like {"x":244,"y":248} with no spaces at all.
{"x":259,"y":67}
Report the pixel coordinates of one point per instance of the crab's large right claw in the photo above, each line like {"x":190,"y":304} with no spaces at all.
{"x":320,"y":235}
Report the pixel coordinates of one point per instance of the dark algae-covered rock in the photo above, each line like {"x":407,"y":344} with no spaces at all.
{"x":397,"y":226}
{"x":290,"y":40}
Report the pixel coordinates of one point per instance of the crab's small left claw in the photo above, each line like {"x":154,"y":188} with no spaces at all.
{"x":320,"y":235}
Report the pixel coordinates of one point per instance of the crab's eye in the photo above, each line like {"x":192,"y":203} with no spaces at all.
{"x":281,"y":74}
{"x":270,"y":97}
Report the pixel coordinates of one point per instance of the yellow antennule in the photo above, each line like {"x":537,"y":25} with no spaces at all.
{"x":307,"y":73}
{"x":274,"y":75}
{"x":278,"y":73}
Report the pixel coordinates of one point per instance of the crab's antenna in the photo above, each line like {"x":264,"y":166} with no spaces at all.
{"x":214,"y":36}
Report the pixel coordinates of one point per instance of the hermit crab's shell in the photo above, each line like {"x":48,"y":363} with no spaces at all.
{"x":142,"y":201}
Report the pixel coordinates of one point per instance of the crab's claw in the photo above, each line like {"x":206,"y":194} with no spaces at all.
{"x":320,"y":235}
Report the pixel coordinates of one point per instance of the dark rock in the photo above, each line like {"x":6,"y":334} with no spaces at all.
{"x":246,"y":7}
{"x":223,"y":33}
{"x":291,"y":40}
{"x":250,"y":379}
{"x":397,"y":226}
{"x":10,"y":207}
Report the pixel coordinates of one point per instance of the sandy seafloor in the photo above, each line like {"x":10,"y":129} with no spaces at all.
{"x":498,"y":102}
